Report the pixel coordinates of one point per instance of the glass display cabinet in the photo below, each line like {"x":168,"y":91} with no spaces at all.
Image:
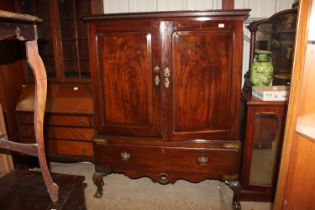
{"x":264,"y":120}
{"x":262,"y":142}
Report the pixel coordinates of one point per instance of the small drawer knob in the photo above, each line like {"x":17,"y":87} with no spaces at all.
{"x":163,"y":178}
{"x":203,"y":160}
{"x":125,"y":155}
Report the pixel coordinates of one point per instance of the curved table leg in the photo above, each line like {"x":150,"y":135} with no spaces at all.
{"x":98,"y":181}
{"x":236,"y":187}
{"x":38,"y":68}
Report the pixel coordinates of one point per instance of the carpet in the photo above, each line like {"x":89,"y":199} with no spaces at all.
{"x":123,"y":193}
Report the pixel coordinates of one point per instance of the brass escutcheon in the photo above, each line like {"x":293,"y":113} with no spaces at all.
{"x":125,"y":155}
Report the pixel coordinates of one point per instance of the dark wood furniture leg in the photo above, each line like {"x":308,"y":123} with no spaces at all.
{"x":236,"y":187}
{"x":98,"y":181}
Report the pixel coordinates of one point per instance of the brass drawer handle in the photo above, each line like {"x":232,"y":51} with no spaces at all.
{"x":203,"y":160}
{"x":125,"y":156}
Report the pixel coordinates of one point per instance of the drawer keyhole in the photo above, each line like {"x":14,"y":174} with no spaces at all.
{"x":163,"y":178}
{"x":125,"y":156}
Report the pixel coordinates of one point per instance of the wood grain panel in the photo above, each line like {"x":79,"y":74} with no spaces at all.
{"x":300,"y":179}
{"x":61,"y":99}
{"x":60,"y":132}
{"x":58,"y":120}
{"x":130,"y":98}
{"x":77,"y":148}
{"x":66,"y":147}
{"x":298,"y":96}
{"x":126,"y":65}
{"x":166,"y":159}
{"x":202,"y":81}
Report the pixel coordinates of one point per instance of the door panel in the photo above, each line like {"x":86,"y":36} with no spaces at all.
{"x":203,"y":96}
{"x":201,"y":81}
{"x":127,"y":89}
{"x":130,"y":99}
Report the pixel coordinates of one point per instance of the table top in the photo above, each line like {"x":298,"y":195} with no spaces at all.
{"x":251,"y":100}
{"x":18,"y":17}
{"x":18,"y":26}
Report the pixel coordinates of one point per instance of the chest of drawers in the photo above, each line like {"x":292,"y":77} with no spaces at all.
{"x":68,"y":122}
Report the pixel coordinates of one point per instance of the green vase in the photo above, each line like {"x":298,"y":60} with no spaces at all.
{"x":262,"y":69}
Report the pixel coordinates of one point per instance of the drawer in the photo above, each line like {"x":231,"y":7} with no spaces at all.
{"x":167,"y":159}
{"x":57,"y":119}
{"x":64,"y":147}
{"x":74,"y":148}
{"x":59,"y":132}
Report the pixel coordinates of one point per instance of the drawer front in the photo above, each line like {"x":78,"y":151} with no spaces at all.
{"x":60,"y":120}
{"x":74,"y":148}
{"x":59,"y":132}
{"x":167,"y":159}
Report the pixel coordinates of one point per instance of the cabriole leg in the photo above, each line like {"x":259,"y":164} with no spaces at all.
{"x":236,"y":187}
{"x":98,"y":181}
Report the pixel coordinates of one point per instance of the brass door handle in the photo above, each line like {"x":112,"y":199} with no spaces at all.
{"x":125,"y":155}
{"x":156,"y":69}
{"x":203,"y":160}
{"x":156,"y":78}
{"x":167,"y":74}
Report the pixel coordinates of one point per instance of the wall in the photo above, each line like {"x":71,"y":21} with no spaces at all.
{"x":259,"y":9}
{"x":115,"y":6}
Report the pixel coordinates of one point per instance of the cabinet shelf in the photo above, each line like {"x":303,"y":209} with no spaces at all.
{"x":306,"y":126}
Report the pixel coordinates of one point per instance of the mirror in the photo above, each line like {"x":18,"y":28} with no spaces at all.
{"x":277,"y":35}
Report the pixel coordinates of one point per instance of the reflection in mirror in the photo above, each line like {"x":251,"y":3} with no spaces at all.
{"x":275,"y":34}
{"x":266,"y":142}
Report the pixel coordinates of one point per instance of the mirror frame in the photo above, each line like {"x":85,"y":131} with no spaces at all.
{"x":253,"y":28}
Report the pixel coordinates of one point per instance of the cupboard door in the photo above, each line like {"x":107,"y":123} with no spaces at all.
{"x":205,"y":82}
{"x":129,"y":98}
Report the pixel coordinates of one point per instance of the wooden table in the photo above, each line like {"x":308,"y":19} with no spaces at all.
{"x":23,"y":27}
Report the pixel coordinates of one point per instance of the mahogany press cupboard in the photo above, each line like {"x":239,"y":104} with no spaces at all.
{"x":166,"y":88}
